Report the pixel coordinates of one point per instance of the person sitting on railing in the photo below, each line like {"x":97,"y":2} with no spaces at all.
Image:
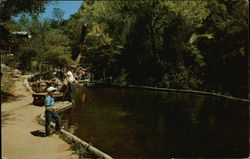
{"x":50,"y":111}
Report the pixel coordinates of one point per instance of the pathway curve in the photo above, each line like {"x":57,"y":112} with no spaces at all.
{"x":18,"y":128}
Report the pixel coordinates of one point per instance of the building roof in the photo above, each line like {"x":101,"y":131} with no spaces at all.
{"x":20,"y":32}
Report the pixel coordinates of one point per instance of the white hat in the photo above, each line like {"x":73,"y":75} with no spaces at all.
{"x":51,"y":88}
{"x":69,"y":73}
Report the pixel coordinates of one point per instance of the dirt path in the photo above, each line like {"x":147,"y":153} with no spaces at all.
{"x":19,"y":128}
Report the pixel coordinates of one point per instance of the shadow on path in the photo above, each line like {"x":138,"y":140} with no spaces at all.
{"x":6,"y":117}
{"x":9,"y":97}
{"x":38,"y":133}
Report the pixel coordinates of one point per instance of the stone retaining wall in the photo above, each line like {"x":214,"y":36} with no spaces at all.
{"x":177,"y":90}
{"x":74,"y":138}
{"x":190,"y":91}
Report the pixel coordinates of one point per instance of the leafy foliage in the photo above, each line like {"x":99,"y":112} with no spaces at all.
{"x":179,"y":44}
{"x":175,"y":44}
{"x":48,"y":47}
{"x":10,"y":8}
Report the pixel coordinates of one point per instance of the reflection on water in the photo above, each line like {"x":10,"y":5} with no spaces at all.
{"x":136,"y":123}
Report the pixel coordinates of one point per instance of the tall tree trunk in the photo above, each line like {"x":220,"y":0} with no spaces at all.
{"x":179,"y":58}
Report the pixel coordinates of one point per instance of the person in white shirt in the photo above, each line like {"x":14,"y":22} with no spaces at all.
{"x":70,"y":77}
{"x":70,"y":81}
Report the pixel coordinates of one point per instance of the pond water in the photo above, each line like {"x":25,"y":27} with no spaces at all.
{"x":136,"y":123}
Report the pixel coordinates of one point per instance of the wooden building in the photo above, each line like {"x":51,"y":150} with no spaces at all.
{"x":9,"y":41}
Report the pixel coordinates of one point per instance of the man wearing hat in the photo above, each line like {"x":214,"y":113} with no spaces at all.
{"x":71,"y":80}
{"x":50,"y":111}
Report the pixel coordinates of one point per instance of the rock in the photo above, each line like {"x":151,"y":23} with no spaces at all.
{"x":4,"y":68}
{"x":43,"y":84}
{"x":16,"y":76}
{"x":56,"y":81}
{"x":16,"y":71}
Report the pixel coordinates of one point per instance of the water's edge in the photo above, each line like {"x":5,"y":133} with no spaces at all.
{"x":78,"y":140}
{"x":66,"y":133}
{"x":177,"y":90}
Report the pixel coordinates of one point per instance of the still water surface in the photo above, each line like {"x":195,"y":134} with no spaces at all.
{"x":135,"y":123}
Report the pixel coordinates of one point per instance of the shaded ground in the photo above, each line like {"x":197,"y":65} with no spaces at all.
{"x":8,"y":97}
{"x":22,"y":136}
{"x":7,"y":83}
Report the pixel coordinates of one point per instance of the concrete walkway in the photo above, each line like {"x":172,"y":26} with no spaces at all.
{"x":20,"y":131}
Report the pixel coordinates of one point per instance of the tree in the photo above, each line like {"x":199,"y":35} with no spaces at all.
{"x":178,"y":44}
{"x":226,"y":52}
{"x":58,"y":14}
{"x":58,"y":52}
{"x":48,"y":46}
{"x":72,"y":29}
{"x":10,"y":8}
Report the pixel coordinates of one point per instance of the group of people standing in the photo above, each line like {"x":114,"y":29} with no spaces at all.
{"x":50,"y":109}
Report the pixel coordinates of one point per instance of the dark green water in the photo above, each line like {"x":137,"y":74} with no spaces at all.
{"x":135,"y":123}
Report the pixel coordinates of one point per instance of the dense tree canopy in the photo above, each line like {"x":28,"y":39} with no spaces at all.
{"x":175,"y":44}
{"x":10,"y":8}
{"x":48,"y":46}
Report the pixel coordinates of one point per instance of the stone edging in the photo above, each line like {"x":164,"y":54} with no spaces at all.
{"x":66,"y":133}
{"x":78,"y":140}
{"x":177,"y":90}
{"x":190,"y":91}
{"x":26,"y":83}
